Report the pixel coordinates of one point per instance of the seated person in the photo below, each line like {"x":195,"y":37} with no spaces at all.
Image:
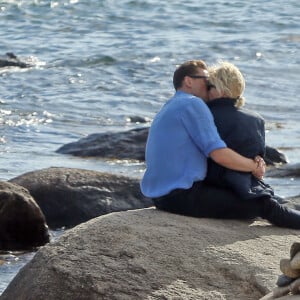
{"x":241,"y":129}
{"x":181,"y":138}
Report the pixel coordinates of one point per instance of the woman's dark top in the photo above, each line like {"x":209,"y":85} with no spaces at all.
{"x":244,"y":132}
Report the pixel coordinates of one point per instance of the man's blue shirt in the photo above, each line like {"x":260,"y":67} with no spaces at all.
{"x":181,"y":136}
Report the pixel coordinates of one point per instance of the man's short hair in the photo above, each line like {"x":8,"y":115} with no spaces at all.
{"x":188,"y":68}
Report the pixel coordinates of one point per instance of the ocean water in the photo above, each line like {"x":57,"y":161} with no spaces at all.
{"x":97,"y":63}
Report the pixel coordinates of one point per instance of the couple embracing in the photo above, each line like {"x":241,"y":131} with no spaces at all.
{"x":204,"y":152}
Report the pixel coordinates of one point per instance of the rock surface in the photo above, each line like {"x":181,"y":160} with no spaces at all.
{"x":122,"y":145}
{"x":69,"y":196}
{"x":154,"y":255}
{"x":22,"y":223}
{"x":131,"y":145}
{"x":292,"y":170}
{"x":274,"y":156}
{"x":11,"y":60}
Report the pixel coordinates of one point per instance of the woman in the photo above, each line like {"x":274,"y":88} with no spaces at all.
{"x":244,"y":132}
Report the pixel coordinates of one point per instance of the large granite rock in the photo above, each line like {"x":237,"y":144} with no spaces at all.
{"x":149,"y":254}
{"x":22,"y":223}
{"x":69,"y":196}
{"x":131,"y":145}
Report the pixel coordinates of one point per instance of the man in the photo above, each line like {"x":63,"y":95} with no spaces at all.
{"x":181,"y":138}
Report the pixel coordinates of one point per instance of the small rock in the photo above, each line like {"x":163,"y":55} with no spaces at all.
{"x":295,"y":248}
{"x":284,"y":280}
{"x":295,"y":261}
{"x":286,"y":269}
{"x":295,"y":287}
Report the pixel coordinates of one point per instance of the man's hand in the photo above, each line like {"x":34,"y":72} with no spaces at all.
{"x":260,"y":170}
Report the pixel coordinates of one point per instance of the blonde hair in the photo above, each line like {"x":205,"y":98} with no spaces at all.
{"x":228,"y":79}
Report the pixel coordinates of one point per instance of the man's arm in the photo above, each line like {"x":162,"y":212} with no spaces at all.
{"x":232,"y":160}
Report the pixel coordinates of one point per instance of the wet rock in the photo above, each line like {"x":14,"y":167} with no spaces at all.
{"x":69,"y":196}
{"x":131,"y":145}
{"x":11,"y":60}
{"x":22,"y":223}
{"x":117,"y":145}
{"x":292,"y":170}
{"x":137,"y":119}
{"x":274,"y":156}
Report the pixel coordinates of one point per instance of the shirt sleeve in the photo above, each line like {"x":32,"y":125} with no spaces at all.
{"x":199,"y":123}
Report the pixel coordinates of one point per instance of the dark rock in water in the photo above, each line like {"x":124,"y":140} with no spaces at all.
{"x":11,"y":60}
{"x":131,"y":145}
{"x":22,"y":223}
{"x":69,"y":197}
{"x":137,"y":119}
{"x":119,"y":145}
{"x":274,"y":156}
{"x":292,"y":170}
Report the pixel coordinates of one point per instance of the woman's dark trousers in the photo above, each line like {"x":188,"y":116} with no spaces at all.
{"x":208,"y":201}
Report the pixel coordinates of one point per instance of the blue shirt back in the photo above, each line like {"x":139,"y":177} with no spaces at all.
{"x":180,"y":139}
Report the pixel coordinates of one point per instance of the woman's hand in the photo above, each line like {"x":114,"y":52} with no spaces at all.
{"x":260,"y":169}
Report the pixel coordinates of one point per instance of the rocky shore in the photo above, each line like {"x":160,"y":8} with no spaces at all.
{"x":149,"y":254}
{"x":118,"y":246}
